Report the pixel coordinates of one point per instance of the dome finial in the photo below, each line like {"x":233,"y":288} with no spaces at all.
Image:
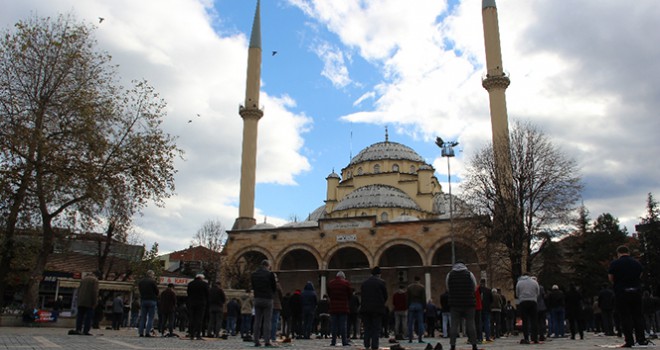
{"x":387,"y":137}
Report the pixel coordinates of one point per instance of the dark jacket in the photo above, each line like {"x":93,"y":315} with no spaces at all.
{"x":606,"y":299}
{"x":233,"y":309}
{"x":263,"y":283}
{"x":374,"y":296}
{"x":198,"y":292}
{"x":308,"y":298}
{"x":217,"y":298}
{"x":148,"y":289}
{"x":555,"y":299}
{"x":167,"y":301}
{"x":88,"y":292}
{"x":461,"y":287}
{"x":339,"y":292}
{"x":416,"y":293}
{"x":444,"y":302}
{"x":295,"y":304}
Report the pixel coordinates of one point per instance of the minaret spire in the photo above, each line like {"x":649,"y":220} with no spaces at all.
{"x":496,"y":82}
{"x":251,"y":114}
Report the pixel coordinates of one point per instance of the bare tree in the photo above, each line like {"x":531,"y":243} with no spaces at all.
{"x":546,"y":185}
{"x":211,"y":235}
{"x":78,"y":150}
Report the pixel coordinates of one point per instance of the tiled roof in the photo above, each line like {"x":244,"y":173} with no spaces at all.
{"x":194,"y":254}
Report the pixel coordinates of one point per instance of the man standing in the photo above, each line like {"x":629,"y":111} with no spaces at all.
{"x":606,"y":304}
{"x":198,"y":296}
{"x":339,"y":292}
{"x":374,"y":296}
{"x":264,"y":287}
{"x":400,"y":304}
{"x":416,"y":301}
{"x":148,"y":300}
{"x":625,"y":273}
{"x":557,"y":303}
{"x":87,"y":298}
{"x":461,"y":287}
{"x":486,"y":304}
{"x":446,"y":313}
{"x":233,"y":311}
{"x":167,"y":310}
{"x":117,"y":311}
{"x":217,"y":300}
{"x":527,"y":291}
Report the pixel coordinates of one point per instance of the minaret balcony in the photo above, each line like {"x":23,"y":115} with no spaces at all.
{"x":491,"y":81}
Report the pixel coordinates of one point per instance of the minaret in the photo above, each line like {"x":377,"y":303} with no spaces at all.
{"x":251,"y":114}
{"x":496,"y":80}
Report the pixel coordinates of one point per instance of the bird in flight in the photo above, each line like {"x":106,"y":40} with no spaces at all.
{"x":101,"y":19}
{"x":274,"y":53}
{"x":190,"y":121}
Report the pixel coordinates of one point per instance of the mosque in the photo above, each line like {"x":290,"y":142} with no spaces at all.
{"x":385,"y":208}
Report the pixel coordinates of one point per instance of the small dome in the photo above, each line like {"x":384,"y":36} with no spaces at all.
{"x":301,"y":224}
{"x":262,"y":226}
{"x":333,"y":175}
{"x":318,"y":213}
{"x":425,"y":167}
{"x":377,"y":196}
{"x":386,"y":150}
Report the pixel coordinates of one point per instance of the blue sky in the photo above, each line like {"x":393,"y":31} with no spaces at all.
{"x":346,"y":69}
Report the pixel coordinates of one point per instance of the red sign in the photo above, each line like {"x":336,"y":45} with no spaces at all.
{"x":177,"y":281}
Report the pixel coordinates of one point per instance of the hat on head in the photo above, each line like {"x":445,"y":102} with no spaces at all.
{"x":341,"y":274}
{"x":199,"y":275}
{"x":375,"y":271}
{"x":555,"y":287}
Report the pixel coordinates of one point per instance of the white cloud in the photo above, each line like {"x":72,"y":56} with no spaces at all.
{"x":172,"y":45}
{"x":590,"y":85}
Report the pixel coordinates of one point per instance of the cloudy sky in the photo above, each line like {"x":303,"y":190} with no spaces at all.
{"x":586,"y":72}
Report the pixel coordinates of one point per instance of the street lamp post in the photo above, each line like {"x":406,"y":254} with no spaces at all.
{"x":448,"y":152}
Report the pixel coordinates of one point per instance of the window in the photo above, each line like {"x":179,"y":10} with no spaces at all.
{"x":376,"y":168}
{"x":359,"y":171}
{"x":395,"y":167}
{"x":412,"y":169}
{"x":384,"y":217}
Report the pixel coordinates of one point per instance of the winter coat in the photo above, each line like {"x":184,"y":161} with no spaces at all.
{"x":461,"y":286}
{"x":374,"y":296}
{"x":88,"y":292}
{"x":339,"y":292}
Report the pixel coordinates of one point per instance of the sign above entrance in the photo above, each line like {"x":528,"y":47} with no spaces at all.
{"x":346,"y":238}
{"x":347,"y":224}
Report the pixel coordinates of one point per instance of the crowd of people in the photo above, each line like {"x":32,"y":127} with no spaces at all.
{"x":344,"y":314}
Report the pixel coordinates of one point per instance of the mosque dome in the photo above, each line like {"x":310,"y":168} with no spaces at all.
{"x":317,"y":214}
{"x":377,"y":196}
{"x":333,"y":175}
{"x":262,"y":226}
{"x":386,"y":150}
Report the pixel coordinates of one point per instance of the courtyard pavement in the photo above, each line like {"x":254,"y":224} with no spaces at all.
{"x":16,"y":338}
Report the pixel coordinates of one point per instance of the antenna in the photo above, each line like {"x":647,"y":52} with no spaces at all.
{"x":350,"y":145}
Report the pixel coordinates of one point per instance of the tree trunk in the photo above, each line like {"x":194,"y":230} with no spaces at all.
{"x":31,"y":294}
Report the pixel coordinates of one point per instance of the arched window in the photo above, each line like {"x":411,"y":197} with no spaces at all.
{"x":384,"y":216}
{"x":364,"y":213}
{"x":359,"y":172}
{"x":376,"y":168}
{"x":412,"y":169}
{"x":395,"y":167}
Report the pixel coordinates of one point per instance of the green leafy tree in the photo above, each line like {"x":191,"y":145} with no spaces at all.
{"x":78,"y":150}
{"x":649,"y":236}
{"x":595,"y":250}
{"x":546,"y":185}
